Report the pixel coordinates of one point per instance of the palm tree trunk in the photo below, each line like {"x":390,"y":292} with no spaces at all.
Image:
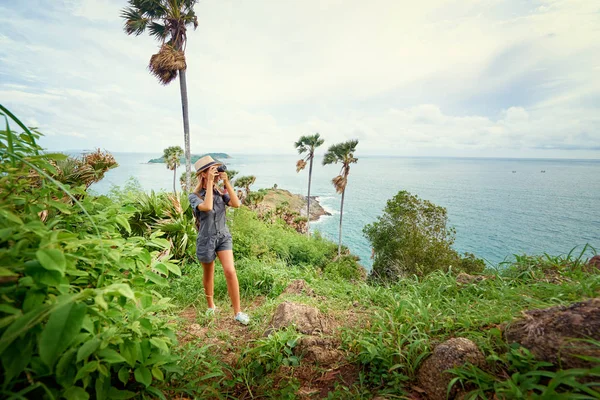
{"x":341,"y":215}
{"x":308,"y":198}
{"x":174,"y":175}
{"x":186,"y":128}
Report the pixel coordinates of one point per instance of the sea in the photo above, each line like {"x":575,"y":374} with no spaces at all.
{"x":499,"y":207}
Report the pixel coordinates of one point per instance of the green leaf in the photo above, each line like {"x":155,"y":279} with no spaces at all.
{"x":86,"y":370}
{"x":100,"y":302}
{"x":159,"y":280}
{"x":122,"y":220}
{"x":122,"y":289}
{"x":129,"y":351}
{"x":161,"y":344}
{"x":174,"y":268}
{"x":5,"y":308}
{"x":60,"y":206}
{"x":88,"y":348}
{"x":33,"y":299}
{"x":157,"y":373}
{"x":156,"y":392}
{"x":16,"y":358}
{"x":102,"y":388}
{"x":21,"y":325}
{"x":63,"y":325}
{"x":7,"y":272}
{"x":10,"y":216}
{"x":65,"y":368}
{"x":103,"y":369}
{"x":76,"y":393}
{"x":160,"y":267}
{"x":124,"y":375}
{"x":143,"y":376}
{"x":116,"y":394}
{"x":52,"y":259}
{"x":111,"y":356}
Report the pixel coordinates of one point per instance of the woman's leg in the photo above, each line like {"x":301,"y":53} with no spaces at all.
{"x":208,"y":279}
{"x":226,"y":258}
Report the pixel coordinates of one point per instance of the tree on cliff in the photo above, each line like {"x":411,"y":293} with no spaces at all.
{"x":167,"y":21}
{"x":341,"y":153}
{"x":307,"y":144}
{"x":172,"y":156}
{"x":245,"y":182}
{"x":412,"y":238}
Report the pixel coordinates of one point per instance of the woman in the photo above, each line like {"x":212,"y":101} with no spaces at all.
{"x":214,"y":239}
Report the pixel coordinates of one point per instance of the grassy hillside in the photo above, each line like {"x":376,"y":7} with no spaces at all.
{"x":102,"y":298}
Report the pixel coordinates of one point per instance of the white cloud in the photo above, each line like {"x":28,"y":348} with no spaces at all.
{"x":483,"y":78}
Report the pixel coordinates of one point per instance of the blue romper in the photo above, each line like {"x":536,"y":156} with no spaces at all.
{"x":213,"y":235}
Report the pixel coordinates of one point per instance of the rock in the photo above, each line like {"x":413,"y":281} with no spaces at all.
{"x":306,"y":319}
{"x":450,"y":354}
{"x":594,"y":263}
{"x":548,"y":333}
{"x":465,"y":279}
{"x":319,"y":350}
{"x":299,"y":286}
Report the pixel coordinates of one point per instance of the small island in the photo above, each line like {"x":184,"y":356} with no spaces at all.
{"x":195,"y":157}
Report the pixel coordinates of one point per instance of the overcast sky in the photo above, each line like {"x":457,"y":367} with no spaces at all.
{"x":508,"y":78}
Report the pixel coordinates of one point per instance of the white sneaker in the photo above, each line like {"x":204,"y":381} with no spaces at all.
{"x":211,"y":311}
{"x":242,"y":318}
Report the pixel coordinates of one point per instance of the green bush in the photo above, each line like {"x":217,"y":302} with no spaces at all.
{"x":412,"y":238}
{"x":346,"y":267}
{"x":79,"y":313}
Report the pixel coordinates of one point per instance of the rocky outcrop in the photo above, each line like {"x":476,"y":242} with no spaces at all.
{"x":306,"y":319}
{"x":297,"y":203}
{"x":549,"y":333}
{"x":465,"y":279}
{"x":433,"y":379}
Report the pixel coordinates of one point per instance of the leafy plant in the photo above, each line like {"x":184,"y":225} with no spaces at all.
{"x":412,"y":238}
{"x":79,"y":313}
{"x":172,"y":156}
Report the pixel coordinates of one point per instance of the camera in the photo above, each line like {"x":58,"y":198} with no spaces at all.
{"x":221,"y":168}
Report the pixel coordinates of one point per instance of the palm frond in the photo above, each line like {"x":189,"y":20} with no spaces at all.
{"x":340,"y":182}
{"x":300,"y":165}
{"x":157,"y":30}
{"x":152,"y":9}
{"x":135,"y":23}
{"x":165,"y":64}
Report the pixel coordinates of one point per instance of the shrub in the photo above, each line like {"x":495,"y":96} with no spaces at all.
{"x":79,"y":311}
{"x":412,"y":238}
{"x":345,"y":267}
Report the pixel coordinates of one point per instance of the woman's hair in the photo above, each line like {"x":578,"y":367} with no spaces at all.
{"x":201,"y":182}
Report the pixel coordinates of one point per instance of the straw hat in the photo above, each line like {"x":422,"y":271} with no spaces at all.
{"x":205,"y":162}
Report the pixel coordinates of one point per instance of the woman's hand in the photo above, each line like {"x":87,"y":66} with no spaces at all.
{"x":210,"y":175}
{"x":223,"y":176}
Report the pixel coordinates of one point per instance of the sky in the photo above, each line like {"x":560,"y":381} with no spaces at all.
{"x":473,"y":78}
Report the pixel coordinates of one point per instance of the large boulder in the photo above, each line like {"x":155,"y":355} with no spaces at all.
{"x":318,"y":350}
{"x":549,"y":333}
{"x":306,"y":319}
{"x":452,"y":353}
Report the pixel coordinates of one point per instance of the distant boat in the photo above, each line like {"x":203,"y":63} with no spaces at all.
{"x":543,"y":171}
{"x":514,"y":172}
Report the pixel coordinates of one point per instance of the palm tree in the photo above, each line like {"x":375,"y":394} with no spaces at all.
{"x":172,"y":156}
{"x":167,"y":21}
{"x":245,"y":182}
{"x":342,"y":153}
{"x":307,"y":144}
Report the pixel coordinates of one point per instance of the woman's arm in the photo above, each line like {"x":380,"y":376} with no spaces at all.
{"x":234,"y":201}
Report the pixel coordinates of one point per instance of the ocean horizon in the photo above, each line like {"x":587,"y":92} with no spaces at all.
{"x":499,"y":206}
